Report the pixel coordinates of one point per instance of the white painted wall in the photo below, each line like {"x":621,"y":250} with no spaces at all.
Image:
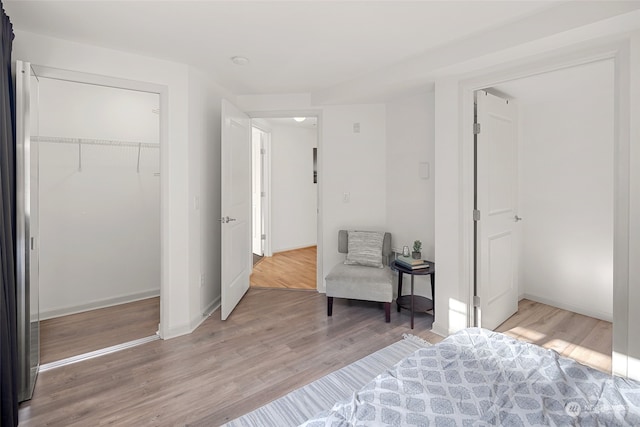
{"x":410,"y":195}
{"x":176,"y":198}
{"x":452,"y":297}
{"x":84,"y":266}
{"x":353,"y":163}
{"x":294,"y":196}
{"x":567,"y":200}
{"x":204,"y":177}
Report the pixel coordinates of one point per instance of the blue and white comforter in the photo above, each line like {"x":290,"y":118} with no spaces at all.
{"x":477,"y":378}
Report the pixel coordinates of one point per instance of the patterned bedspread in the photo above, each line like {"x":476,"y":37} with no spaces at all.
{"x":477,"y":378}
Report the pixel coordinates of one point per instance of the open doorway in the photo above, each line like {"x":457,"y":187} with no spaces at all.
{"x":565,"y":206}
{"x":285,"y":202}
{"x":99,"y":216}
{"x":259,"y":140}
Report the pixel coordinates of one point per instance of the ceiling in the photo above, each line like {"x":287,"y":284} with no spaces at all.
{"x":307,"y":123}
{"x":330,"y":49}
{"x":293,"y":47}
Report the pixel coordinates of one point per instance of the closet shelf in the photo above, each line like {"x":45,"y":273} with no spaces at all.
{"x":104,"y":142}
{"x":88,"y":141}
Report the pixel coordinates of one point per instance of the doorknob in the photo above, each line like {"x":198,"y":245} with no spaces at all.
{"x":226,"y":219}
{"x":517,"y":218}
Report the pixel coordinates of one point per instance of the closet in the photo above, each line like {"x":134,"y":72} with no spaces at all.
{"x":99,"y":196}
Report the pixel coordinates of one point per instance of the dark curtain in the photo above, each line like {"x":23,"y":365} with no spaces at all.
{"x":8,"y":328}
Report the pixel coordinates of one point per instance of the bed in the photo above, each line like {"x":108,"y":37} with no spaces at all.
{"x":479,"y":377}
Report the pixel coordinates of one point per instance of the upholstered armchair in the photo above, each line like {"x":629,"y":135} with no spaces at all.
{"x":364,"y":274}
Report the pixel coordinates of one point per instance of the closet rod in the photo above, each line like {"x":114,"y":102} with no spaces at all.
{"x":87,"y":141}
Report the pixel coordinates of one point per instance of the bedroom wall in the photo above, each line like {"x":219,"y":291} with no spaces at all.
{"x":82,"y":266}
{"x":176,"y":310}
{"x":353,"y":163}
{"x":566,"y":154}
{"x":410,"y":183}
{"x":294,"y":196}
{"x":204,"y":176}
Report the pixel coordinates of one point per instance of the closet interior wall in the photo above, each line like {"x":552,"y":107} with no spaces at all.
{"x":99,"y":198}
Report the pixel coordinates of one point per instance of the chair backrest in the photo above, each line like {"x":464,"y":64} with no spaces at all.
{"x":343,"y":245}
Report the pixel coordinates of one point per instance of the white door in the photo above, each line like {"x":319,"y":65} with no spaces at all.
{"x":496,"y":191}
{"x":236,"y":206}
{"x":27,"y":229}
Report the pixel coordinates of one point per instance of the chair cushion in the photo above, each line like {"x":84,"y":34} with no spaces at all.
{"x":360,"y":282}
{"x":365,"y":248}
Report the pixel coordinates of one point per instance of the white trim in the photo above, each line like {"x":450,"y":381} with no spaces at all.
{"x":95,"y":79}
{"x":163,"y":92}
{"x":438,"y":329}
{"x":97,"y":304}
{"x":618,"y":51}
{"x":196,"y":322}
{"x":294,"y":248}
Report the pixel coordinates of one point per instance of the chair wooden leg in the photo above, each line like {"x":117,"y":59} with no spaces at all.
{"x":387,"y":312}
{"x":329,"y":306}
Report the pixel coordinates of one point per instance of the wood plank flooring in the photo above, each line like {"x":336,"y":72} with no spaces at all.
{"x":274,"y":342}
{"x":582,"y":338}
{"x":294,"y":269}
{"x":80,"y":333}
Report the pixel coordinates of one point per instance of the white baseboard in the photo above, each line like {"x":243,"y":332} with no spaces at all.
{"x":295,"y":248}
{"x":586,"y":311}
{"x":439,"y":330}
{"x":193,"y":324}
{"x":93,"y":305}
{"x":176,"y":332}
{"x":213,"y":306}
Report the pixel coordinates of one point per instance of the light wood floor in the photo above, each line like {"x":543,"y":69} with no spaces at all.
{"x":294,"y":269}
{"x":80,"y":333}
{"x":274,"y":342}
{"x":583,"y":338}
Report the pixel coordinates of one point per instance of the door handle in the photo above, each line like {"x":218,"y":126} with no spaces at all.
{"x":226,"y":219}
{"x":517,"y":218}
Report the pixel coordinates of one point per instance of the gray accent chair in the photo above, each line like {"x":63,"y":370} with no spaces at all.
{"x":361,"y":282}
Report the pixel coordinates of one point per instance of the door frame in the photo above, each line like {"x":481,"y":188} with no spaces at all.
{"x":298,"y":113}
{"x":266,"y":186}
{"x":162,"y":91}
{"x":619,"y":52}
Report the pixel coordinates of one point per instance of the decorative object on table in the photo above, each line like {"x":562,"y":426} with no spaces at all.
{"x":417,"y":250}
{"x":405,"y":251}
{"x":411,"y":263}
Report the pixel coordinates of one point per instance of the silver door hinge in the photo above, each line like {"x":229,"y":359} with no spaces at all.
{"x":476,"y":128}
{"x":476,"y":301}
{"x":476,"y":215}
{"x":263,"y":151}
{"x":263,"y":237}
{"x":262,"y":194}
